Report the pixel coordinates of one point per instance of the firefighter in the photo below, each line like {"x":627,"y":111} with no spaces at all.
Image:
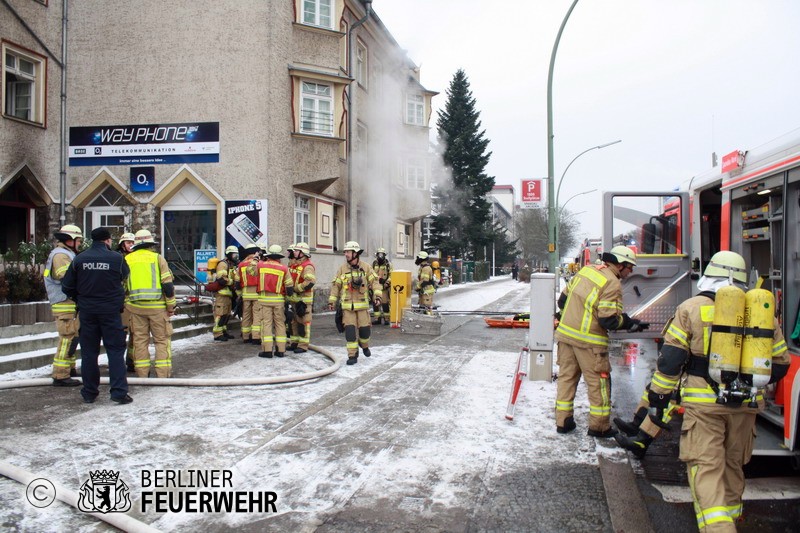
{"x":350,"y":289}
{"x":227,"y":274}
{"x":95,"y":280}
{"x":291,"y":301}
{"x":591,"y":306}
{"x":383,"y":269}
{"x":248,"y":279}
{"x":69,"y":239}
{"x":716,"y":439}
{"x":274,"y":284}
{"x":124,"y":247}
{"x":425,"y":285}
{"x":304,"y":277}
{"x":150,"y":302}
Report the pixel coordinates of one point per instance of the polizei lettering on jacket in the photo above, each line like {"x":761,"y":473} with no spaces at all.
{"x":200,"y":491}
{"x":96,"y":266}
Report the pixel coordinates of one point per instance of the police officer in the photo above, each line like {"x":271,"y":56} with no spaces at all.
{"x":94,"y":280}
{"x":151,"y":303}
{"x":383,"y":269}
{"x":716,"y":440}
{"x":305,"y":277}
{"x":592,"y":305}
{"x":350,"y":289}
{"x":69,"y":241}
{"x":227,"y":274}
{"x":425,"y":285}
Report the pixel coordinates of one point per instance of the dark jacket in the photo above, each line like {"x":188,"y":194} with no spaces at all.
{"x":95,"y":280}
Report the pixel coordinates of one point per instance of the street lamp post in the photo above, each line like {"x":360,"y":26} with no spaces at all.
{"x":551,"y":201}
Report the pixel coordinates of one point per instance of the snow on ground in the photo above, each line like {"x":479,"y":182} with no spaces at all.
{"x":294,"y":438}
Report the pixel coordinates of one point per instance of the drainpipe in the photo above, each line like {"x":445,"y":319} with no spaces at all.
{"x":63,"y":141}
{"x":350,"y":207}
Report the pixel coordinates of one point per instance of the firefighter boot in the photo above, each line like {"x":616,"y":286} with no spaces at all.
{"x":607,"y":434}
{"x":636,"y":445}
{"x":267,"y":355}
{"x":366,"y":351}
{"x":631,"y":428}
{"x":292,"y":347}
{"x":352,"y":360}
{"x":569,"y":425}
{"x":278,"y":354}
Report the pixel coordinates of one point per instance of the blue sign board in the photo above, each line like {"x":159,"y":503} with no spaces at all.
{"x":201,"y":258}
{"x":143,"y":179}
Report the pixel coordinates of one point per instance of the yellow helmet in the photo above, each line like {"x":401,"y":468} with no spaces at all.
{"x":127,"y":237}
{"x":143,"y":238}
{"x":352,"y":246}
{"x":727,"y":263}
{"x":231,"y":250}
{"x":275,"y":252}
{"x":303,"y":248}
{"x":68,"y":232}
{"x":623,"y":254}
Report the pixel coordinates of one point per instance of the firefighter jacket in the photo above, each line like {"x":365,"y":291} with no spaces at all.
{"x":146,"y":284}
{"x":351,"y":287}
{"x":384,"y":273}
{"x":248,"y":277}
{"x":425,"y":283}
{"x":689,"y":333}
{"x":305,"y":277}
{"x":95,"y":278}
{"x":228,"y":274}
{"x":273,"y":280}
{"x":54,"y":270}
{"x":594,"y":293}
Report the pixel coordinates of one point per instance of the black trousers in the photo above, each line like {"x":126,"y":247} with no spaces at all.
{"x":108,"y":327}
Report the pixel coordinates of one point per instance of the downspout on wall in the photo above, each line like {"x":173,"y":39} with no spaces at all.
{"x":351,"y":210}
{"x":62,"y":182}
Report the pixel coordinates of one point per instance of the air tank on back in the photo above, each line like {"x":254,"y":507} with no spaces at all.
{"x":725,"y":352}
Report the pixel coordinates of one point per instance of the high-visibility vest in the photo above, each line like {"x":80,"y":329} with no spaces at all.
{"x":53,"y":286}
{"x":144,"y":282}
{"x":271,"y":281}
{"x":246,"y":280}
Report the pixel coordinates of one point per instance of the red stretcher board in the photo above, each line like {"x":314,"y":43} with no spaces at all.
{"x":516,"y":321}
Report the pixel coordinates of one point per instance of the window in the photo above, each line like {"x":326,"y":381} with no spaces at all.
{"x":361,"y":64}
{"x":376,"y":71}
{"x":415,"y":107}
{"x":302,"y":216}
{"x":23,"y":85}
{"x":316,"y":110}
{"x":361,"y":137}
{"x":415,"y":174}
{"x":318,"y":13}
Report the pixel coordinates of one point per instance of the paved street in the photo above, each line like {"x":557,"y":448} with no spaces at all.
{"x":411,"y":439}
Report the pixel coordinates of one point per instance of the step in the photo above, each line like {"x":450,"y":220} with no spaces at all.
{"x":37,"y":358}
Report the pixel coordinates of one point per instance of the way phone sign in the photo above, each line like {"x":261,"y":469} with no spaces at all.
{"x":143,"y":179}
{"x":532,"y":193}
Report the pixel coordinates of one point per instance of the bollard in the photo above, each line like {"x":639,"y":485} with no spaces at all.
{"x":540,"y":343}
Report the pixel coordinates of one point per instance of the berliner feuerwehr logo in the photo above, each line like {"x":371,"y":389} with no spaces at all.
{"x":104,"y":492}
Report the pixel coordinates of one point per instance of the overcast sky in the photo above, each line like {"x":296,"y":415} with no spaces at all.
{"x":676,"y":80}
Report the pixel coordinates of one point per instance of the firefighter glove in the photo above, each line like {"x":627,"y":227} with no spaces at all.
{"x":637,"y":325}
{"x":658,"y":404}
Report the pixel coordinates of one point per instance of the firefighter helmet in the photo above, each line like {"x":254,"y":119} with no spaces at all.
{"x":303,"y":248}
{"x":380,"y":250}
{"x":423,"y":255}
{"x":143,"y":238}
{"x":251,"y":248}
{"x":725,"y":263}
{"x":275,"y":252}
{"x":231,"y":250}
{"x":291,"y":247}
{"x":127,"y":237}
{"x":68,"y":232}
{"x":623,"y":254}
{"x":353,"y":246}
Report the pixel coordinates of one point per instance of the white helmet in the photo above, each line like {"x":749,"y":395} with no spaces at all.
{"x":352,"y":246}
{"x":231,"y":250}
{"x":623,"y":254}
{"x":422,"y":255}
{"x":303,"y":248}
{"x":275,"y":252}
{"x":68,"y":232}
{"x":143,"y":238}
{"x":727,"y":263}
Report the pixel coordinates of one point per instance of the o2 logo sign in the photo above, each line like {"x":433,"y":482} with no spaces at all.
{"x":143,"y":179}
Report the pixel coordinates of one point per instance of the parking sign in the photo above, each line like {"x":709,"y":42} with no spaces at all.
{"x":532,"y":193}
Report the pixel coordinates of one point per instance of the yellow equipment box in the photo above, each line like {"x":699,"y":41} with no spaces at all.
{"x":400,"y":294}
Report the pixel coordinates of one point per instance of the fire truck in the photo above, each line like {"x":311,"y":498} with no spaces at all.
{"x":750,"y":205}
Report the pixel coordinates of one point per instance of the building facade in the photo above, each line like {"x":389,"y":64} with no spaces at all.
{"x":214,"y":123}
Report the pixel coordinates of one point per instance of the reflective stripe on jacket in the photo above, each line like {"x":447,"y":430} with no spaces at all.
{"x":595,"y":292}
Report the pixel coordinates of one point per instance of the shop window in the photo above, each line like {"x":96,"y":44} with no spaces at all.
{"x":23,"y":84}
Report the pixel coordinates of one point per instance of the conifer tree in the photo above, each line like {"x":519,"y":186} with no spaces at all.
{"x":462,"y":225}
